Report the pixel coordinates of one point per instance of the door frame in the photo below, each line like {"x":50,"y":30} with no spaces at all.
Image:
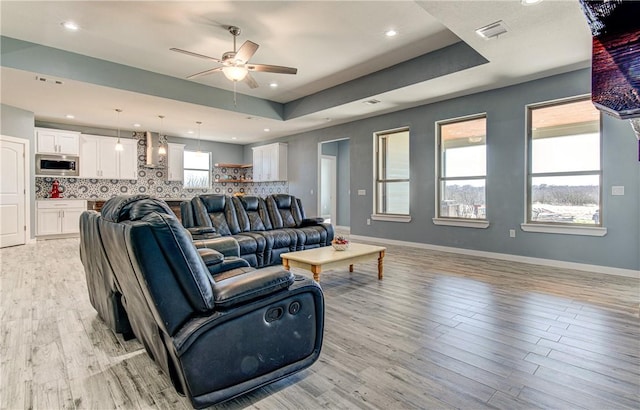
{"x":27,"y":186}
{"x":318,"y":182}
{"x":333,"y":215}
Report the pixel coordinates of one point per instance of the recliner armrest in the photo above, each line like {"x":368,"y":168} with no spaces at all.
{"x":226,"y":245}
{"x":311,"y":221}
{"x":203,"y":232}
{"x":240,"y":289}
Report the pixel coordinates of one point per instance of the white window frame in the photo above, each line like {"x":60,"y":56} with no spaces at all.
{"x":481,"y":223}
{"x":377,"y":215}
{"x":186,"y":168}
{"x":556,"y":227}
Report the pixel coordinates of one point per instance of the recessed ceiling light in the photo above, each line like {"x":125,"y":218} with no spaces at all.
{"x":234,"y":138}
{"x":373,"y":101}
{"x":530,"y":2}
{"x":70,"y":116}
{"x":267,"y":130}
{"x":136,"y":125}
{"x":70,"y":25}
{"x":390,"y":33}
{"x":273,"y":85}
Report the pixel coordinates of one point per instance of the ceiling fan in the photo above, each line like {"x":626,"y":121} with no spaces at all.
{"x":235,"y":64}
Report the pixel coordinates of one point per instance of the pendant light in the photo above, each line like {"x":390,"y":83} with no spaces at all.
{"x":199,"y":152}
{"x":119,"y":146}
{"x":162,"y":149}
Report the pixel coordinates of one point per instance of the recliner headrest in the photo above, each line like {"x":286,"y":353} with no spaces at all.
{"x":213,"y":202}
{"x":250,"y":203}
{"x":282,"y":200}
{"x":132,"y":207}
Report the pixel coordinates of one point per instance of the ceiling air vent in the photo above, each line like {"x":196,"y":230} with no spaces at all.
{"x":492,"y":30}
{"x":372,"y":102}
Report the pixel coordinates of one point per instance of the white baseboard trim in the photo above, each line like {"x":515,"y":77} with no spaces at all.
{"x":630,"y":273}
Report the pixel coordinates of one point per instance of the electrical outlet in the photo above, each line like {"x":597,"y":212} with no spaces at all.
{"x":311,"y":191}
{"x":368,"y":221}
{"x":362,"y":192}
{"x":512,"y":233}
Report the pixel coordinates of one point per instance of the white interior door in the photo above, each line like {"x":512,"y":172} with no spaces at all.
{"x":328,"y":188}
{"x":12,"y":193}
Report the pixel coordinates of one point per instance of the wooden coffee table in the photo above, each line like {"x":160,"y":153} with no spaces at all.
{"x":326,"y":258}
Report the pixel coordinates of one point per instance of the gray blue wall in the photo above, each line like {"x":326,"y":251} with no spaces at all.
{"x":506,"y":127}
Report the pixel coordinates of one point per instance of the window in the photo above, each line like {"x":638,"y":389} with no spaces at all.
{"x":197,"y":169}
{"x":564,"y":173}
{"x":462,"y":169}
{"x":392,"y":175}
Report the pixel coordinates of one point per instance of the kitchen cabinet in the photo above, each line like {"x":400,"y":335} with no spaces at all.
{"x":99,"y":158}
{"x":270,"y":162}
{"x":175,"y":162}
{"x":52,"y":141}
{"x":59,"y":216}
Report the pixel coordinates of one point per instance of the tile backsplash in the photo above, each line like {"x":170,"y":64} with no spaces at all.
{"x":153,"y":181}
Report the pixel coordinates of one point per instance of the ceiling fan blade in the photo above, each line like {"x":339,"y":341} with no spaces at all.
{"x":251,"y":82}
{"x":246,"y":51}
{"x":192,"y":54}
{"x":206,"y":72}
{"x":271,"y":68}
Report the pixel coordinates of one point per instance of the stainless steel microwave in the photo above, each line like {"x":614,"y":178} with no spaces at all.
{"x":57,"y":165}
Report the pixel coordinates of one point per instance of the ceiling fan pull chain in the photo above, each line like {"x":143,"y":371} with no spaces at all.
{"x":235,"y":102}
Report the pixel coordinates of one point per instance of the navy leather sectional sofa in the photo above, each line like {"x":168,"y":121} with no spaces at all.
{"x":262,"y":228}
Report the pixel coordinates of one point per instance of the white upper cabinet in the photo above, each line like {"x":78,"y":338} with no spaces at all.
{"x":99,"y":158}
{"x":128,"y":160}
{"x":175,"y":162}
{"x":270,"y":162}
{"x":51,"y":141}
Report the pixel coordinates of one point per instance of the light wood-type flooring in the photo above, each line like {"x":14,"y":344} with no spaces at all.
{"x":440,"y":331}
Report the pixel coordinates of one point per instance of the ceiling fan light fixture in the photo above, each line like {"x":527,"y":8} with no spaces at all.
{"x":235,"y":73}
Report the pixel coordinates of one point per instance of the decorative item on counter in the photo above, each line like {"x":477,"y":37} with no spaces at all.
{"x":55,"y":192}
{"x":238,"y":193}
{"x":340,"y":243}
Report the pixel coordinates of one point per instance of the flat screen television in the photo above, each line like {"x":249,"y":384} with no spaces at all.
{"x":615,"y":67}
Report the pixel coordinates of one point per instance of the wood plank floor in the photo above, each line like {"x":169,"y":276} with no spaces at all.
{"x":440,"y":331}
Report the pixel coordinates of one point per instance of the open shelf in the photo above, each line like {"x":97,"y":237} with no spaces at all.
{"x":233,"y":180}
{"x":223,"y":165}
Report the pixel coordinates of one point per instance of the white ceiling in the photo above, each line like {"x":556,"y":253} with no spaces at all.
{"x":330,"y":42}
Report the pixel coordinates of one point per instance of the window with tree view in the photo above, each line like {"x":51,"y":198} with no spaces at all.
{"x":392,"y":172}
{"x":462,"y":170}
{"x":197,"y":169}
{"x":564,"y":176}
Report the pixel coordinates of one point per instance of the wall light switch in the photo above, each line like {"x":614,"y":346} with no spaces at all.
{"x":512,"y":233}
{"x":311,"y":191}
{"x":362,"y":192}
{"x":617,"y":190}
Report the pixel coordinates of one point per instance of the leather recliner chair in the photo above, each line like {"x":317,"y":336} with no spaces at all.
{"x":216,"y":338}
{"x":217,"y":211}
{"x":285,"y":212}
